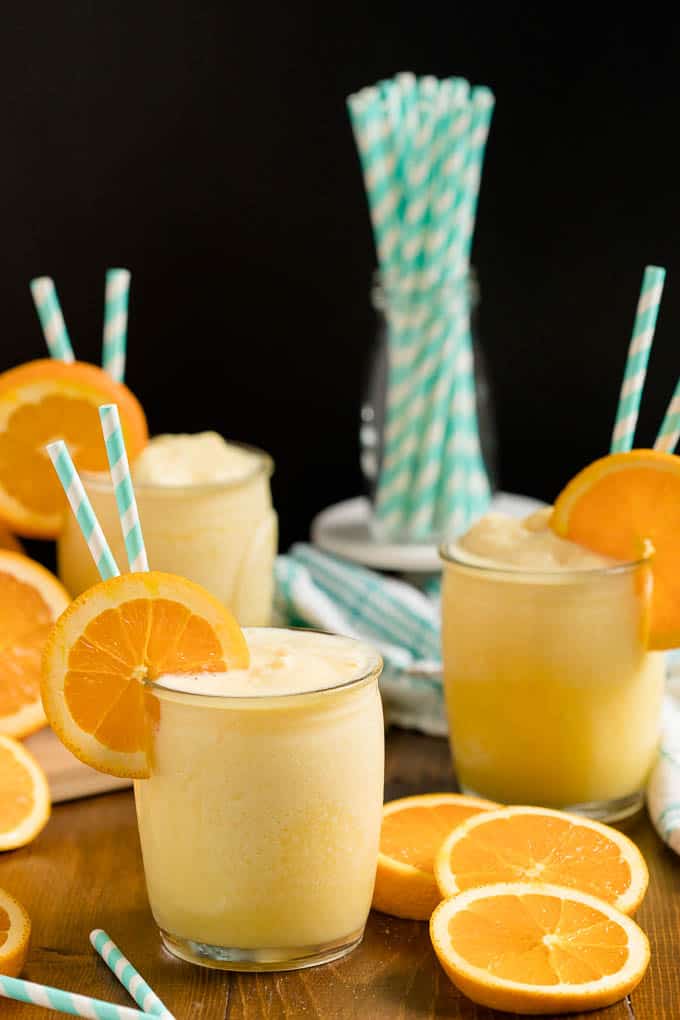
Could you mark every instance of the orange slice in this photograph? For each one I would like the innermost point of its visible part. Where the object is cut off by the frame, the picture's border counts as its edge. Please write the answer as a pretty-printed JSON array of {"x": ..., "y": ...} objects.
[
  {"x": 536, "y": 844},
  {"x": 46, "y": 400},
  {"x": 618, "y": 505},
  {"x": 15, "y": 932},
  {"x": 31, "y": 599},
  {"x": 24, "y": 799},
  {"x": 413, "y": 829},
  {"x": 528, "y": 948},
  {"x": 8, "y": 540},
  {"x": 113, "y": 637}
]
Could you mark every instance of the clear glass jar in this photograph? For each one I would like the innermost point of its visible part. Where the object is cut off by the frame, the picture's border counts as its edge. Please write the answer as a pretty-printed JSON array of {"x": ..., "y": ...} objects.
[{"x": 373, "y": 405}]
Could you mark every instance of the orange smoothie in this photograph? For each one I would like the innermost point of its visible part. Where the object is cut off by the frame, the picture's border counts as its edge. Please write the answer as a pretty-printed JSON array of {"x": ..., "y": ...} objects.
[
  {"x": 206, "y": 512},
  {"x": 260, "y": 821},
  {"x": 552, "y": 696}
]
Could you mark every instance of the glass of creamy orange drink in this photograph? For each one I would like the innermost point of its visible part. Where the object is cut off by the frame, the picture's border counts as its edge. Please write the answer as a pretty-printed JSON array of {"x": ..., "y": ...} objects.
[
  {"x": 260, "y": 819},
  {"x": 552, "y": 696},
  {"x": 206, "y": 511}
]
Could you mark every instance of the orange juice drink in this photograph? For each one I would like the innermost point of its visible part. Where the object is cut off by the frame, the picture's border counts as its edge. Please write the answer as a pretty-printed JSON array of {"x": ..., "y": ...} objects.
[
  {"x": 206, "y": 512},
  {"x": 260, "y": 820},
  {"x": 552, "y": 696}
]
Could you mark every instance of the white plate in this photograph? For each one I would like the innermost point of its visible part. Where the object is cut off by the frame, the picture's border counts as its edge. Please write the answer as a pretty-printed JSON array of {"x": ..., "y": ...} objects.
[{"x": 345, "y": 529}]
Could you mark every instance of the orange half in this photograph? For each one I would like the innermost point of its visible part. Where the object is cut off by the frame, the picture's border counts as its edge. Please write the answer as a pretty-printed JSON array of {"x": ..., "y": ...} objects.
[
  {"x": 24, "y": 795},
  {"x": 117, "y": 635},
  {"x": 31, "y": 599},
  {"x": 540, "y": 948},
  {"x": 46, "y": 400},
  {"x": 413, "y": 829},
  {"x": 520, "y": 844},
  {"x": 15, "y": 933},
  {"x": 619, "y": 504}
]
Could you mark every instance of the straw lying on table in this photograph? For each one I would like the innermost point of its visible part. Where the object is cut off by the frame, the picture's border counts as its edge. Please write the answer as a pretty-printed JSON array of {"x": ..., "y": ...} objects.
[
  {"x": 421, "y": 143},
  {"x": 65, "y": 1002},
  {"x": 131, "y": 979}
]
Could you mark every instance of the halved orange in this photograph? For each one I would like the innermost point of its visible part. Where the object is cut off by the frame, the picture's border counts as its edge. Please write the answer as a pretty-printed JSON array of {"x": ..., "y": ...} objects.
[
  {"x": 618, "y": 504},
  {"x": 534, "y": 948},
  {"x": 516, "y": 844},
  {"x": 24, "y": 798},
  {"x": 31, "y": 599},
  {"x": 15, "y": 933},
  {"x": 116, "y": 635},
  {"x": 8, "y": 540},
  {"x": 413, "y": 829},
  {"x": 45, "y": 400}
]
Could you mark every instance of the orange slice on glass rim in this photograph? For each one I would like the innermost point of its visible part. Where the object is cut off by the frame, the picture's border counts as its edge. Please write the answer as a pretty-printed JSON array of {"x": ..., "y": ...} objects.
[
  {"x": 45, "y": 400},
  {"x": 523, "y": 844},
  {"x": 31, "y": 599},
  {"x": 527, "y": 948},
  {"x": 15, "y": 933},
  {"x": 413, "y": 829},
  {"x": 116, "y": 635},
  {"x": 618, "y": 505}
]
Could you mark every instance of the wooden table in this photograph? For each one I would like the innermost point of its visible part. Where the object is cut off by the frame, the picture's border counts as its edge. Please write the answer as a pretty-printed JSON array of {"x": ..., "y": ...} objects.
[{"x": 85, "y": 871}]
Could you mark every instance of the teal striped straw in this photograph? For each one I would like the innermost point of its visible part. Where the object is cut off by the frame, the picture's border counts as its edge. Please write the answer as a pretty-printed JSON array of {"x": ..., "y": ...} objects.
[
  {"x": 51, "y": 319},
  {"x": 82, "y": 509},
  {"x": 116, "y": 297},
  {"x": 638, "y": 356},
  {"x": 669, "y": 433},
  {"x": 123, "y": 489},
  {"x": 60, "y": 1001},
  {"x": 131, "y": 979}
]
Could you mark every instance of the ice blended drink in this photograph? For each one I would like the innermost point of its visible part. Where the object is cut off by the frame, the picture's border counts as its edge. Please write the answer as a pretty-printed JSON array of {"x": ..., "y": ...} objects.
[
  {"x": 260, "y": 820},
  {"x": 206, "y": 511},
  {"x": 552, "y": 696}
]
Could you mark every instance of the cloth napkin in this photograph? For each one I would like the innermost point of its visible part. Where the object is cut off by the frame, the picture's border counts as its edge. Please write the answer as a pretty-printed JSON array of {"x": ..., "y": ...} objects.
[
  {"x": 315, "y": 589},
  {"x": 663, "y": 791}
]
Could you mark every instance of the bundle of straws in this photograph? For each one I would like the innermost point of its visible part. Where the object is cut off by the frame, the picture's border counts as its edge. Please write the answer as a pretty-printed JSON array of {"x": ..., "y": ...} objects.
[
  {"x": 116, "y": 297},
  {"x": 421, "y": 143}
]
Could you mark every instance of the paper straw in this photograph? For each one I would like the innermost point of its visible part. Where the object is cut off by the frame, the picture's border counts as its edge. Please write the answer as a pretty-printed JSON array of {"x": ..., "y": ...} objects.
[
  {"x": 82, "y": 509},
  {"x": 116, "y": 298},
  {"x": 131, "y": 979},
  {"x": 51, "y": 319},
  {"x": 638, "y": 356},
  {"x": 123, "y": 489},
  {"x": 60, "y": 1001},
  {"x": 669, "y": 433}
]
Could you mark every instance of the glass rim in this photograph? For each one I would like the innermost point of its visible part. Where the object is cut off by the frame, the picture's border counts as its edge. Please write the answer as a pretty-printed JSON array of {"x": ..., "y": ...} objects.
[
  {"x": 448, "y": 555},
  {"x": 100, "y": 481},
  {"x": 364, "y": 679}
]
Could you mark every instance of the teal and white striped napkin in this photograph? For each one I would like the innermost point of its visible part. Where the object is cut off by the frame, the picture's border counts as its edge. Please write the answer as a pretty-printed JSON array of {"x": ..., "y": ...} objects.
[
  {"x": 315, "y": 589},
  {"x": 663, "y": 791}
]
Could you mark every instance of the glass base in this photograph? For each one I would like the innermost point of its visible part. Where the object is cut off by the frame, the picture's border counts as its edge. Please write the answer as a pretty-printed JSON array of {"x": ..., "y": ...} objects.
[
  {"x": 599, "y": 810},
  {"x": 288, "y": 958}
]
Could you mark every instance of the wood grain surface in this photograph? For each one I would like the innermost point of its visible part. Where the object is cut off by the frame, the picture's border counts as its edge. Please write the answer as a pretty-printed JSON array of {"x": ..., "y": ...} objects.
[{"x": 85, "y": 871}]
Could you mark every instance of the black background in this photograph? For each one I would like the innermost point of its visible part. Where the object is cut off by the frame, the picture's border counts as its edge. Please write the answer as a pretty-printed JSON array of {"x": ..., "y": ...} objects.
[{"x": 206, "y": 146}]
